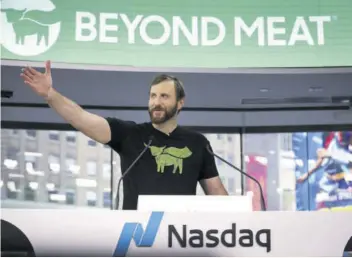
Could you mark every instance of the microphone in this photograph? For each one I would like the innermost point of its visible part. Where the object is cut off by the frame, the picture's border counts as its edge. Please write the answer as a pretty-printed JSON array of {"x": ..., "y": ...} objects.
[
  {"x": 262, "y": 201},
  {"x": 151, "y": 138}
]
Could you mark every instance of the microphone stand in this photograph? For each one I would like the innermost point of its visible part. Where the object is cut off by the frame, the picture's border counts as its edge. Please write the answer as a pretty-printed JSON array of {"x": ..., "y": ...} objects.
[
  {"x": 262, "y": 201},
  {"x": 129, "y": 169}
]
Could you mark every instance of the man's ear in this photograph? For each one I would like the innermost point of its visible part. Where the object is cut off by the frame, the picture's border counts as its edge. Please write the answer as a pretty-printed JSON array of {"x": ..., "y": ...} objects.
[{"x": 180, "y": 104}]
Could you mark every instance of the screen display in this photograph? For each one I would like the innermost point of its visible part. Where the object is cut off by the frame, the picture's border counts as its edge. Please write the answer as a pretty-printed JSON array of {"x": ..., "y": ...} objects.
[{"x": 323, "y": 170}]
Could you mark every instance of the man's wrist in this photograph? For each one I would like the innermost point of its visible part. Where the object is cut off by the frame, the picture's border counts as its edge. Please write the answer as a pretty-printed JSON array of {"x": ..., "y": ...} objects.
[{"x": 50, "y": 95}]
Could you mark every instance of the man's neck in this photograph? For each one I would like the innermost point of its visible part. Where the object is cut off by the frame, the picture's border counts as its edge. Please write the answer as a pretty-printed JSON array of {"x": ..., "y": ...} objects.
[{"x": 167, "y": 127}]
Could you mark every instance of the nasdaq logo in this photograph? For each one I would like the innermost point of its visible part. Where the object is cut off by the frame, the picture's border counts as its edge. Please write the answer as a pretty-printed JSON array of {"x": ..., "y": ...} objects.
[{"x": 142, "y": 238}]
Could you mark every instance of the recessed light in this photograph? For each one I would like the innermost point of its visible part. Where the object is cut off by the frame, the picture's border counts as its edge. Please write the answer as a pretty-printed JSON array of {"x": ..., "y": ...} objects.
[
  {"x": 315, "y": 89},
  {"x": 345, "y": 101},
  {"x": 264, "y": 90}
]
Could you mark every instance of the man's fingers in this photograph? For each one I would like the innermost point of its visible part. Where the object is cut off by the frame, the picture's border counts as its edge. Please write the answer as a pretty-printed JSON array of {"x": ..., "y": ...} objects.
[
  {"x": 30, "y": 84},
  {"x": 48, "y": 67},
  {"x": 27, "y": 72},
  {"x": 33, "y": 71},
  {"x": 26, "y": 78}
]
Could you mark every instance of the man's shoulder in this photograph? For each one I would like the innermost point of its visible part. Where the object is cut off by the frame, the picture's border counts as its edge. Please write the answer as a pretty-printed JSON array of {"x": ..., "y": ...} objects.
[
  {"x": 131, "y": 123},
  {"x": 145, "y": 125},
  {"x": 143, "y": 128},
  {"x": 127, "y": 127},
  {"x": 199, "y": 137}
]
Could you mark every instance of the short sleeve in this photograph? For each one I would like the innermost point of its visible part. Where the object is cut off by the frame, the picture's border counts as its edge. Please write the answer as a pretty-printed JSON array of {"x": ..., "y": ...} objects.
[
  {"x": 120, "y": 130},
  {"x": 208, "y": 169}
]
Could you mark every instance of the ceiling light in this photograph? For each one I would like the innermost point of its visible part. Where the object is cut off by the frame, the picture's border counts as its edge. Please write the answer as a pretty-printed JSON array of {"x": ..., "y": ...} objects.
[
  {"x": 315, "y": 89},
  {"x": 264, "y": 90}
]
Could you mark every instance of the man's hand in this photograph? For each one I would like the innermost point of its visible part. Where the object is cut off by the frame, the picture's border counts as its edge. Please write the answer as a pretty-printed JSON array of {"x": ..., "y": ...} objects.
[
  {"x": 92, "y": 125},
  {"x": 41, "y": 83}
]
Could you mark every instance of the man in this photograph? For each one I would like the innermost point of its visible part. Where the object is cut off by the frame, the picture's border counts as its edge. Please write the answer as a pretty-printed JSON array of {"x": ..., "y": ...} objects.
[{"x": 177, "y": 158}]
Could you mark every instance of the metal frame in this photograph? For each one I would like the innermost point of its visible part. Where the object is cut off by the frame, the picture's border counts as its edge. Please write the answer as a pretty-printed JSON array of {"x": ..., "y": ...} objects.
[{"x": 227, "y": 70}]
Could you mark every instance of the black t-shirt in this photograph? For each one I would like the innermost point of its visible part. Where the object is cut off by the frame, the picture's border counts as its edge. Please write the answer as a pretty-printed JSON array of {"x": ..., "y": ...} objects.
[{"x": 173, "y": 165}]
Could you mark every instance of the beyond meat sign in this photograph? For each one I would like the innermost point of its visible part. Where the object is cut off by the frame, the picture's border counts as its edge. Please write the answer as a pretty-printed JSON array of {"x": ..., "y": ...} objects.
[{"x": 194, "y": 33}]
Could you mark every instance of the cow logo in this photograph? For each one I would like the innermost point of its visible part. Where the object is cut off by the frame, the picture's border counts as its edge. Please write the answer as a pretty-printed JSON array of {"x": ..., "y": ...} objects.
[
  {"x": 29, "y": 28},
  {"x": 169, "y": 156}
]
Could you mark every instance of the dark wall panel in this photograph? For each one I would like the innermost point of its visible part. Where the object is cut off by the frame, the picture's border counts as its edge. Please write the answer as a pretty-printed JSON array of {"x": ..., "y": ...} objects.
[
  {"x": 125, "y": 89},
  {"x": 113, "y": 88}
]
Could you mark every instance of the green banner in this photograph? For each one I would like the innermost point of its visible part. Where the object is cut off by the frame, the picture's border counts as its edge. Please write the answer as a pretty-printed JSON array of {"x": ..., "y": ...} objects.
[{"x": 179, "y": 33}]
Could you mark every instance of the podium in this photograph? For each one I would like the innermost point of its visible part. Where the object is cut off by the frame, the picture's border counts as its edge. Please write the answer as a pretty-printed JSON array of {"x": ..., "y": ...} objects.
[{"x": 106, "y": 233}]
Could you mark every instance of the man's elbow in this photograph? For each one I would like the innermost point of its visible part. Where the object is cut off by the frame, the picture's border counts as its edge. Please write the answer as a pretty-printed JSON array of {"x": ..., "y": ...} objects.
[
  {"x": 213, "y": 186},
  {"x": 218, "y": 191},
  {"x": 215, "y": 189}
]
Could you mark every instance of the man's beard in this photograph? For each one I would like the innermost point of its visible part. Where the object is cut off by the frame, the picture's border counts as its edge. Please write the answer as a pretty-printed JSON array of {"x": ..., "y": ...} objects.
[{"x": 168, "y": 114}]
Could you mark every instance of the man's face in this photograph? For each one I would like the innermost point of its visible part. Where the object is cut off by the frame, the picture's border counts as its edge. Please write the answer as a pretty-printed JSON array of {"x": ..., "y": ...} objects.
[{"x": 162, "y": 102}]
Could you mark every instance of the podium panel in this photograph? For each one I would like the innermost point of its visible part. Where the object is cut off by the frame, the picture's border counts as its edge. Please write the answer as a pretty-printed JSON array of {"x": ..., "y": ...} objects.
[{"x": 133, "y": 233}]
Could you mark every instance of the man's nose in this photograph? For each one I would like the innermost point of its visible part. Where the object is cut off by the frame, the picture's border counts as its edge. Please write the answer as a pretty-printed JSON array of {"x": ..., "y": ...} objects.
[{"x": 157, "y": 101}]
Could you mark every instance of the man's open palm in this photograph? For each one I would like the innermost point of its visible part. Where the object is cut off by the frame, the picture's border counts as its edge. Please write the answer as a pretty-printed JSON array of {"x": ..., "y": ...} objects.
[{"x": 41, "y": 83}]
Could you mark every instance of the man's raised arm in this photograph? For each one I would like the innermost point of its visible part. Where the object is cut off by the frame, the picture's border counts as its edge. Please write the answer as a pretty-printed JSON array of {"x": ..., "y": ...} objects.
[{"x": 93, "y": 126}]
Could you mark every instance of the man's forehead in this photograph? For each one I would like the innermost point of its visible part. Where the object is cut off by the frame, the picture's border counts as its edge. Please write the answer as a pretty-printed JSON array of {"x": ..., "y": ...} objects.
[{"x": 163, "y": 87}]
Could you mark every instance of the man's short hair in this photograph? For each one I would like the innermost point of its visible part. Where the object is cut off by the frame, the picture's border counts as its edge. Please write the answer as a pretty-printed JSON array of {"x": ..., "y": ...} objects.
[{"x": 180, "y": 90}]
